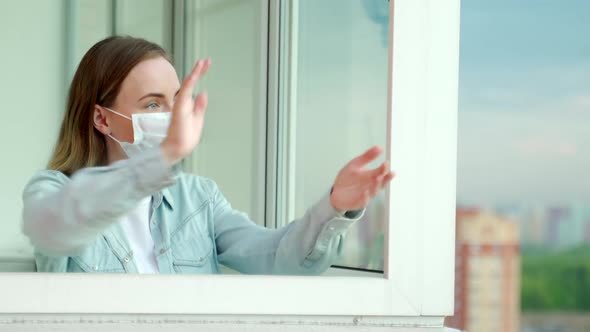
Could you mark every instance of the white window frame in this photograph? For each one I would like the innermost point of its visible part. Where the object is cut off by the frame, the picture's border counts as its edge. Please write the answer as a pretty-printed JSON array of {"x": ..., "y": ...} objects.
[{"x": 419, "y": 255}]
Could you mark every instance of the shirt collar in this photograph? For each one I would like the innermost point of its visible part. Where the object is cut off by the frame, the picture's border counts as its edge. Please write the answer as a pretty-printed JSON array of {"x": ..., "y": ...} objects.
[{"x": 168, "y": 197}]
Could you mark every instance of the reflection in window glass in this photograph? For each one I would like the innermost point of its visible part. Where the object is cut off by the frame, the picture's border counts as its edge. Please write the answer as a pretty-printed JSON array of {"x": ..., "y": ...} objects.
[{"x": 341, "y": 107}]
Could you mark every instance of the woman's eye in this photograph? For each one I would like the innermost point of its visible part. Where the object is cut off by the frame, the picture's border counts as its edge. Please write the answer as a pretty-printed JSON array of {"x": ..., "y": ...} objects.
[{"x": 153, "y": 106}]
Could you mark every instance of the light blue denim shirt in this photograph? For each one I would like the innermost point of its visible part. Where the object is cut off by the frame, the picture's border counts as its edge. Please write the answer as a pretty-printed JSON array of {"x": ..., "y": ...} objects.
[{"x": 73, "y": 224}]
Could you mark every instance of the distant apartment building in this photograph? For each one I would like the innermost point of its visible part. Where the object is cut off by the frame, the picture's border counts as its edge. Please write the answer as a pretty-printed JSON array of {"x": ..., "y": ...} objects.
[{"x": 487, "y": 278}]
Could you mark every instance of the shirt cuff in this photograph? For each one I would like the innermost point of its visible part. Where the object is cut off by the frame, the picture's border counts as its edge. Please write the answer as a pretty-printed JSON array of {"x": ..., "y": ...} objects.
[
  {"x": 352, "y": 214},
  {"x": 333, "y": 226}
]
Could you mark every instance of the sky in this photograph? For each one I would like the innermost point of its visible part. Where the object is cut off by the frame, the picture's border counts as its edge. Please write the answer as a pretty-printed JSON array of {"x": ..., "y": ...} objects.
[{"x": 524, "y": 102}]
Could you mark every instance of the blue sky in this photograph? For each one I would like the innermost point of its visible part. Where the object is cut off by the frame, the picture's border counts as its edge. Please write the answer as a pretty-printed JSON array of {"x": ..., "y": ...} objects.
[{"x": 524, "y": 124}]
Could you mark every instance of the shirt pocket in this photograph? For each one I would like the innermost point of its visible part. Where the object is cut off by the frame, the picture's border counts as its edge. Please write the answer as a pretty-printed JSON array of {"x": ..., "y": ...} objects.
[
  {"x": 99, "y": 258},
  {"x": 192, "y": 245}
]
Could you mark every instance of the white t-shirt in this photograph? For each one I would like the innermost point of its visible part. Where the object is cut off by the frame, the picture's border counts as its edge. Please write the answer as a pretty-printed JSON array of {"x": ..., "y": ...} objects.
[{"x": 136, "y": 226}]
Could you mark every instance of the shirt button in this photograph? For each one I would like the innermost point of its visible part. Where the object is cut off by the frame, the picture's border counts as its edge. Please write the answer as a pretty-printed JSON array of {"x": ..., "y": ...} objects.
[
  {"x": 126, "y": 259},
  {"x": 331, "y": 228},
  {"x": 95, "y": 267},
  {"x": 200, "y": 259},
  {"x": 162, "y": 251}
]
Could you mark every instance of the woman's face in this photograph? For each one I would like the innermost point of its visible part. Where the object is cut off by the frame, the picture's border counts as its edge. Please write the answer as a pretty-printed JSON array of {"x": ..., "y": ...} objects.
[{"x": 151, "y": 86}]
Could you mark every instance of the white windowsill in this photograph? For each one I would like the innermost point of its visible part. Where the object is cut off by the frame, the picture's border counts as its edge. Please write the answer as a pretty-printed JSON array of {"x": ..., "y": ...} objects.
[{"x": 171, "y": 323}]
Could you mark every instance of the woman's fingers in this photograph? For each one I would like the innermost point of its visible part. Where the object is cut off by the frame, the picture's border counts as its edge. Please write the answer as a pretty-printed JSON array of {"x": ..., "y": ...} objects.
[
  {"x": 201, "y": 102},
  {"x": 190, "y": 81},
  {"x": 375, "y": 187},
  {"x": 377, "y": 172},
  {"x": 188, "y": 85},
  {"x": 206, "y": 66},
  {"x": 366, "y": 157},
  {"x": 386, "y": 179},
  {"x": 377, "y": 183},
  {"x": 187, "y": 117}
]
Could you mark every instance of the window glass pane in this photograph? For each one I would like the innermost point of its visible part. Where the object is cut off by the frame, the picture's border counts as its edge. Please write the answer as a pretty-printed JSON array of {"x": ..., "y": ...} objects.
[
  {"x": 341, "y": 108},
  {"x": 45, "y": 49},
  {"x": 33, "y": 85},
  {"x": 232, "y": 148},
  {"x": 94, "y": 20},
  {"x": 149, "y": 19}
]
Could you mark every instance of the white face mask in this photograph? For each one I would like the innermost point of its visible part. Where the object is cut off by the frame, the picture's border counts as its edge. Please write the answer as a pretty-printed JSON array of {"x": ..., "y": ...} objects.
[{"x": 149, "y": 130}]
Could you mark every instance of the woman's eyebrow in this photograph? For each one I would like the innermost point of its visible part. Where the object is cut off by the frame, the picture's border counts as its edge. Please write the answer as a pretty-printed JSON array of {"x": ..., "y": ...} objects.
[
  {"x": 157, "y": 95},
  {"x": 152, "y": 94}
]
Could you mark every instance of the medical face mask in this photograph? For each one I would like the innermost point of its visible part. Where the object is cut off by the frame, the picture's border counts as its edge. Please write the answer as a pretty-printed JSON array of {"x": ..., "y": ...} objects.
[{"x": 149, "y": 130}]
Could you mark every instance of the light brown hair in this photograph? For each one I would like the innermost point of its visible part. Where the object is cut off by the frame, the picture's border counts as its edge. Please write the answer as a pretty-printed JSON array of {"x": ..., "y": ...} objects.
[{"x": 97, "y": 81}]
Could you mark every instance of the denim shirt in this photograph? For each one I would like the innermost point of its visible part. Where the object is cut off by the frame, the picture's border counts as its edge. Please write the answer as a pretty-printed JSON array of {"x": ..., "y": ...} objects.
[{"x": 73, "y": 224}]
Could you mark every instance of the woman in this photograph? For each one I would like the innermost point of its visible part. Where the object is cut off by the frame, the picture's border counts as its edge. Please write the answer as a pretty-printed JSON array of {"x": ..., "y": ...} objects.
[{"x": 111, "y": 202}]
